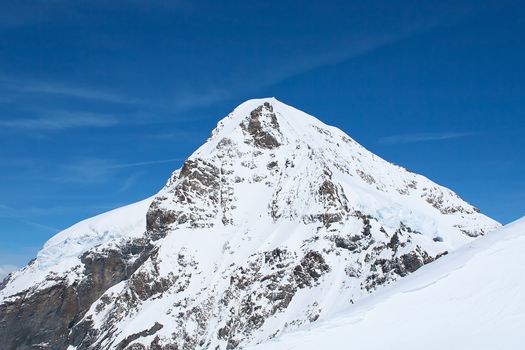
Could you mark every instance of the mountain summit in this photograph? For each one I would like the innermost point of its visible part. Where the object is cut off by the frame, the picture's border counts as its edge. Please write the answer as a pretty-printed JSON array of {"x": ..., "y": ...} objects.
[{"x": 278, "y": 220}]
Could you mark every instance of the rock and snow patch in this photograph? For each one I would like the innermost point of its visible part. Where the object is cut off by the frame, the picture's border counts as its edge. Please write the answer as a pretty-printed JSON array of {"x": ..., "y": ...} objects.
[
  {"x": 471, "y": 299},
  {"x": 60, "y": 256}
]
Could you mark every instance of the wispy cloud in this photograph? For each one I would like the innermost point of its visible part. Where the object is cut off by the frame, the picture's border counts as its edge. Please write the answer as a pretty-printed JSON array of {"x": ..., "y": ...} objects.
[
  {"x": 177, "y": 136},
  {"x": 129, "y": 182},
  {"x": 63, "y": 89},
  {"x": 148, "y": 162},
  {"x": 12, "y": 213},
  {"x": 268, "y": 73},
  {"x": 271, "y": 74},
  {"x": 189, "y": 100},
  {"x": 61, "y": 120},
  {"x": 97, "y": 170},
  {"x": 246, "y": 80},
  {"x": 422, "y": 137},
  {"x": 86, "y": 171}
]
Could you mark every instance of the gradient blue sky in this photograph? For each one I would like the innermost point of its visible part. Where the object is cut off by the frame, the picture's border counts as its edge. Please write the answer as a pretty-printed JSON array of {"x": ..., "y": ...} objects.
[{"x": 100, "y": 101}]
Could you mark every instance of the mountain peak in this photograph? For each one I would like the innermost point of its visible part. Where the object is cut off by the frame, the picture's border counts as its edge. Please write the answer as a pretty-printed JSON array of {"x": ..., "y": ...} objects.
[
  {"x": 266, "y": 124},
  {"x": 276, "y": 221}
]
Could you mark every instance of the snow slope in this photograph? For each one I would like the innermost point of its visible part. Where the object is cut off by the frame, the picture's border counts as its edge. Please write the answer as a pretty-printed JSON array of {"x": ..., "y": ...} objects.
[
  {"x": 473, "y": 298},
  {"x": 61, "y": 254}
]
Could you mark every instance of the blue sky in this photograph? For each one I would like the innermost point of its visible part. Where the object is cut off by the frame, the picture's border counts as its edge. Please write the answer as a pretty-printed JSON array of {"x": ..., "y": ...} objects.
[{"x": 100, "y": 101}]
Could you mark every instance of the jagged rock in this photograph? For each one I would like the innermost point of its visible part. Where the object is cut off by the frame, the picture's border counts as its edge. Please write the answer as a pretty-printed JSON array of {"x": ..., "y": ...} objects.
[
  {"x": 262, "y": 127},
  {"x": 312, "y": 267}
]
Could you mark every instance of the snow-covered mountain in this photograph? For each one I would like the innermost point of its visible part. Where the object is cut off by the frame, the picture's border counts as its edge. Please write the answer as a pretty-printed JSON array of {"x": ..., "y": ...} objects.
[
  {"x": 473, "y": 298},
  {"x": 277, "y": 221}
]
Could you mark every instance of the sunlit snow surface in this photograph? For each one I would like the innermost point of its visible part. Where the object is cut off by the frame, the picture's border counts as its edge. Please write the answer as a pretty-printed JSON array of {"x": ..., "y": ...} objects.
[{"x": 473, "y": 298}]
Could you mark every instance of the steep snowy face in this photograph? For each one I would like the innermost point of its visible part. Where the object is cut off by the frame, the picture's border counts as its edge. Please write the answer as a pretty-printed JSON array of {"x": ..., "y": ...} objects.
[
  {"x": 290, "y": 165},
  {"x": 278, "y": 220}
]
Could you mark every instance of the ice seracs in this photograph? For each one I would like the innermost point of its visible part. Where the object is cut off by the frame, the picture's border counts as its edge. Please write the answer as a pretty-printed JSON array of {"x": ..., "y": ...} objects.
[{"x": 277, "y": 221}]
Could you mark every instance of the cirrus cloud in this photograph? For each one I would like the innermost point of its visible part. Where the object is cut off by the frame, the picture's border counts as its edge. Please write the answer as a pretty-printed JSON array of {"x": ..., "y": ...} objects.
[
  {"x": 422, "y": 137},
  {"x": 60, "y": 121}
]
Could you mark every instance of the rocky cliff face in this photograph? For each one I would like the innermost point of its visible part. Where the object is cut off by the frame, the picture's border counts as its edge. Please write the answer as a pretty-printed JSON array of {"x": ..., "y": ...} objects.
[{"x": 278, "y": 220}]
